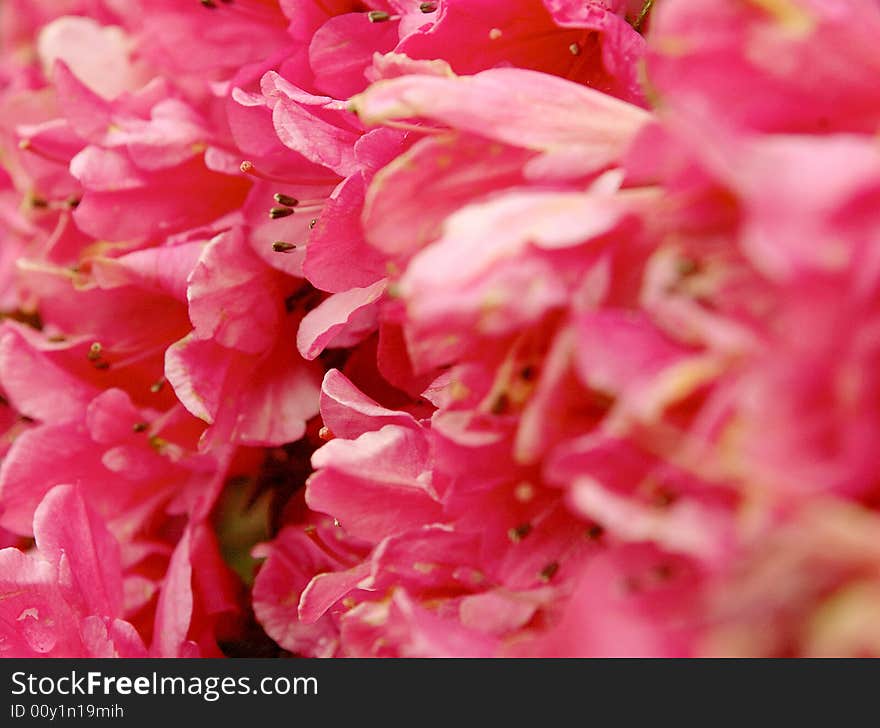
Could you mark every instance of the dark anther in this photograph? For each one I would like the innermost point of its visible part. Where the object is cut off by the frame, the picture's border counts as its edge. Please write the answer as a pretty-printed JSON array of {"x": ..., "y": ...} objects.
[
  {"x": 594, "y": 532},
  {"x": 102, "y": 365},
  {"x": 687, "y": 267},
  {"x": 73, "y": 202},
  {"x": 549, "y": 571},
  {"x": 39, "y": 202},
  {"x": 279, "y": 246},
  {"x": 662, "y": 498},
  {"x": 518, "y": 533},
  {"x": 28, "y": 318},
  {"x": 312, "y": 223},
  {"x": 210, "y": 4},
  {"x": 601, "y": 401},
  {"x": 500, "y": 404},
  {"x": 278, "y": 212},
  {"x": 378, "y": 16},
  {"x": 528, "y": 373},
  {"x": 428, "y": 7},
  {"x": 140, "y": 426},
  {"x": 285, "y": 200}
]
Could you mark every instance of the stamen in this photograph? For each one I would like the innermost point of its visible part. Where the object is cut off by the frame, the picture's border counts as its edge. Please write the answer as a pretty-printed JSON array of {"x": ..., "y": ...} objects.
[
  {"x": 162, "y": 420},
  {"x": 316, "y": 203},
  {"x": 140, "y": 426},
  {"x": 408, "y": 126},
  {"x": 662, "y": 497},
  {"x": 102, "y": 365},
  {"x": 574, "y": 49},
  {"x": 139, "y": 356},
  {"x": 28, "y": 146},
  {"x": 315, "y": 537},
  {"x": 41, "y": 203},
  {"x": 279, "y": 246},
  {"x": 549, "y": 571},
  {"x": 646, "y": 8},
  {"x": 524, "y": 492},
  {"x": 285, "y": 200},
  {"x": 518, "y": 533},
  {"x": 312, "y": 223},
  {"x": 259, "y": 13},
  {"x": 378, "y": 16},
  {"x": 210, "y": 4},
  {"x": 95, "y": 351},
  {"x": 687, "y": 267},
  {"x": 428, "y": 7},
  {"x": 158, "y": 385},
  {"x": 325, "y": 434},
  {"x": 278, "y": 212},
  {"x": 249, "y": 168},
  {"x": 594, "y": 532},
  {"x": 500, "y": 404}
]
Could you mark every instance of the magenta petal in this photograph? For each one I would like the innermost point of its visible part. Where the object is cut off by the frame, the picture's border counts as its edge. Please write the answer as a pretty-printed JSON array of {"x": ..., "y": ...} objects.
[
  {"x": 338, "y": 256},
  {"x": 230, "y": 293},
  {"x": 322, "y": 325},
  {"x": 75, "y": 540},
  {"x": 27, "y": 474},
  {"x": 350, "y": 413},
  {"x": 291, "y": 560},
  {"x": 523, "y": 108},
  {"x": 325, "y": 590},
  {"x": 317, "y": 140},
  {"x": 175, "y": 607},
  {"x": 56, "y": 396},
  {"x": 370, "y": 510},
  {"x": 343, "y": 47}
]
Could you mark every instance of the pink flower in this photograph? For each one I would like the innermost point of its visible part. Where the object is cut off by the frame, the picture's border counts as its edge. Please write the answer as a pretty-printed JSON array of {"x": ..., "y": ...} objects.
[
  {"x": 65, "y": 598},
  {"x": 459, "y": 328},
  {"x": 237, "y": 368},
  {"x": 746, "y": 42}
]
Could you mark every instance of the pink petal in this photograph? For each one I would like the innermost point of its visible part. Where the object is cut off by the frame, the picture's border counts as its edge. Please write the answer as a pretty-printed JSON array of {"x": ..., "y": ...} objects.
[
  {"x": 523, "y": 108},
  {"x": 350, "y": 413},
  {"x": 322, "y": 325},
  {"x": 75, "y": 540}
]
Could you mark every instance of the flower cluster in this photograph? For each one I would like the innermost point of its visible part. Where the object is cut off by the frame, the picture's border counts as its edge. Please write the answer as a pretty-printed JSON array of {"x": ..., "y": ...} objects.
[{"x": 454, "y": 328}]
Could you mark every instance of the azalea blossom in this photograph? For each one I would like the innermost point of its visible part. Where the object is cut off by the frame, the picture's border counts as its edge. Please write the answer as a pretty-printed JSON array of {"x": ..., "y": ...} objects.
[{"x": 462, "y": 328}]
